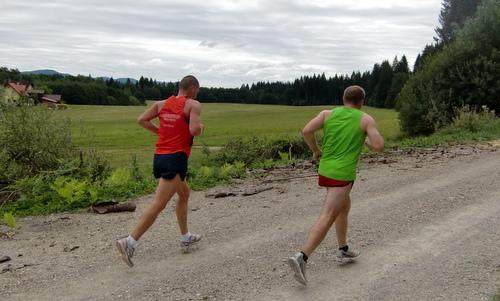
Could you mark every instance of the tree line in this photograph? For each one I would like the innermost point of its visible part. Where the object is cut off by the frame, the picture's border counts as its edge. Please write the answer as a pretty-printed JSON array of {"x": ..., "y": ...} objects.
[{"x": 382, "y": 85}]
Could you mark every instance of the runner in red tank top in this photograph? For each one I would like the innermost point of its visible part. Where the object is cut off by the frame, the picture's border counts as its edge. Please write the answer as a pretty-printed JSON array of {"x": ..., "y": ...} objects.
[{"x": 180, "y": 121}]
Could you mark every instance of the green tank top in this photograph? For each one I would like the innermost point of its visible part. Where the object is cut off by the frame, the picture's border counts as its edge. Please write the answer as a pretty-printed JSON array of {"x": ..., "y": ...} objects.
[{"x": 343, "y": 141}]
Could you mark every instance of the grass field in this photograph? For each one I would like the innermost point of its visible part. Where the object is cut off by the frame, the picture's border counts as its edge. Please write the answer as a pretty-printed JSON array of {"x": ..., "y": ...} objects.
[{"x": 114, "y": 131}]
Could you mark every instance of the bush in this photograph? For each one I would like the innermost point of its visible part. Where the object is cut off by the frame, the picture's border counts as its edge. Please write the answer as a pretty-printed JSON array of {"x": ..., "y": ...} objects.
[
  {"x": 33, "y": 140},
  {"x": 77, "y": 193},
  {"x": 232, "y": 159},
  {"x": 463, "y": 73},
  {"x": 473, "y": 121},
  {"x": 42, "y": 172},
  {"x": 254, "y": 149},
  {"x": 67, "y": 189}
]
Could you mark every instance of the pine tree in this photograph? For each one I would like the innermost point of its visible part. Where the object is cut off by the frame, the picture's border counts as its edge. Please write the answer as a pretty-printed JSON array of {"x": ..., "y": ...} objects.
[
  {"x": 402, "y": 66},
  {"x": 453, "y": 15},
  {"x": 383, "y": 84}
]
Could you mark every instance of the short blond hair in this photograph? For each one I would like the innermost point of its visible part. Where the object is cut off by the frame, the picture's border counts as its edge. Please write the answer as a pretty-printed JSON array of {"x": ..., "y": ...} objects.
[{"x": 354, "y": 94}]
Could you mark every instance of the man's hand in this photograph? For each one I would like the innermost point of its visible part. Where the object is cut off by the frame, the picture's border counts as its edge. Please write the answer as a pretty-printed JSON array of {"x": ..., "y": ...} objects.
[
  {"x": 308, "y": 133},
  {"x": 317, "y": 156}
]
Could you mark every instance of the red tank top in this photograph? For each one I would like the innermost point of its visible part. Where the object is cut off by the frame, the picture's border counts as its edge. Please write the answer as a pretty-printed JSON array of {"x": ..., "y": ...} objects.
[{"x": 173, "y": 133}]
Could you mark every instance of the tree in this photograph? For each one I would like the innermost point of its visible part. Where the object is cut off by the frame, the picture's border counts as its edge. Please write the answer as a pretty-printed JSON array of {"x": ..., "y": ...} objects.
[
  {"x": 453, "y": 15},
  {"x": 463, "y": 72},
  {"x": 402, "y": 66},
  {"x": 398, "y": 81},
  {"x": 418, "y": 61},
  {"x": 383, "y": 84},
  {"x": 372, "y": 84},
  {"x": 428, "y": 51}
]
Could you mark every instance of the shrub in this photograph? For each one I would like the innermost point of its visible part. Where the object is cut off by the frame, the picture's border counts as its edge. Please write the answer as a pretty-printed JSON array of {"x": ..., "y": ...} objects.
[
  {"x": 255, "y": 149},
  {"x": 76, "y": 193},
  {"x": 42, "y": 172},
  {"x": 473, "y": 121},
  {"x": 33, "y": 140}
]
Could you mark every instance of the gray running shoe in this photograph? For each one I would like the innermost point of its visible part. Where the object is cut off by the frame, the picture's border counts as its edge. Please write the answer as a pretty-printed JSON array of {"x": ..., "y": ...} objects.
[
  {"x": 347, "y": 256},
  {"x": 125, "y": 252},
  {"x": 298, "y": 265},
  {"x": 187, "y": 246}
]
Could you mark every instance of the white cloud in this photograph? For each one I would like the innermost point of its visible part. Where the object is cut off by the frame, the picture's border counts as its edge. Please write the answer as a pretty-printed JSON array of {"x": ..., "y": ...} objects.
[{"x": 224, "y": 43}]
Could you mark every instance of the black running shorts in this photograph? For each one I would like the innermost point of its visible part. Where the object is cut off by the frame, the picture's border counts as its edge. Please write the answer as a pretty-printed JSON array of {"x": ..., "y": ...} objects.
[{"x": 169, "y": 165}]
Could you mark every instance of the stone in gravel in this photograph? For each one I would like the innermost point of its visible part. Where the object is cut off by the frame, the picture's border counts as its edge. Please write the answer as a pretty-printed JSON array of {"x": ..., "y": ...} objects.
[
  {"x": 68, "y": 249},
  {"x": 7, "y": 269},
  {"x": 4, "y": 259}
]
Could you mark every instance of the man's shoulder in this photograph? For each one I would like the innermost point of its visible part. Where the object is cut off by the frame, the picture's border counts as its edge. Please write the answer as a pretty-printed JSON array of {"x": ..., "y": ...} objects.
[
  {"x": 367, "y": 118},
  {"x": 326, "y": 113},
  {"x": 192, "y": 102},
  {"x": 159, "y": 105},
  {"x": 366, "y": 121}
]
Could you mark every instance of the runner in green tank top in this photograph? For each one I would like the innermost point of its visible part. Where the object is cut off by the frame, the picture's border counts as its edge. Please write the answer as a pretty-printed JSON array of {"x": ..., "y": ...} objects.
[{"x": 345, "y": 130}]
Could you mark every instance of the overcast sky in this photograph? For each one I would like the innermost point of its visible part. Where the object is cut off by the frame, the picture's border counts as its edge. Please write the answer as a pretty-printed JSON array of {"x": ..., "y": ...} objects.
[{"x": 223, "y": 43}]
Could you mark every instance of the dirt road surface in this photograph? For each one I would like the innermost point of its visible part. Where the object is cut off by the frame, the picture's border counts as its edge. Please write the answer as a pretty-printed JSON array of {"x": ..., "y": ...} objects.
[{"x": 427, "y": 224}]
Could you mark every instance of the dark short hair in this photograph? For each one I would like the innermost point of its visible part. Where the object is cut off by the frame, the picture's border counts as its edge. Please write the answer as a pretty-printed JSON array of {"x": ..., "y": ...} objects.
[
  {"x": 354, "y": 94},
  {"x": 188, "y": 81}
]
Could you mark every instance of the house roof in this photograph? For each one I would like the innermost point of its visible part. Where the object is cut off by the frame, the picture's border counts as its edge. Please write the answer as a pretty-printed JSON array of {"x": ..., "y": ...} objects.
[
  {"x": 19, "y": 88},
  {"x": 55, "y": 98}
]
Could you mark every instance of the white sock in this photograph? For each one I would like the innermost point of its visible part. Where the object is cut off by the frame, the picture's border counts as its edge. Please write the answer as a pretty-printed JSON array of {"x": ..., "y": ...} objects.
[
  {"x": 131, "y": 242},
  {"x": 186, "y": 236}
]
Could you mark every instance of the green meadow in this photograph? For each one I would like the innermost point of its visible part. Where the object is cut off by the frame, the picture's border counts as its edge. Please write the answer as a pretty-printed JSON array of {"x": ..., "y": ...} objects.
[{"x": 113, "y": 129}]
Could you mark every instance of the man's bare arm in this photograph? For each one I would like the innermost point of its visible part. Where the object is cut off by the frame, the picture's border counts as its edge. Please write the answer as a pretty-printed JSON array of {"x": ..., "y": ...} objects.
[
  {"x": 145, "y": 119},
  {"x": 374, "y": 141},
  {"x": 195, "y": 125},
  {"x": 315, "y": 124}
]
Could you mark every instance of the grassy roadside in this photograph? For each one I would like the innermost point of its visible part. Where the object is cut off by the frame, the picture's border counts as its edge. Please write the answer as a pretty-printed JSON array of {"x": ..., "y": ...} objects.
[
  {"x": 496, "y": 297},
  {"x": 242, "y": 150},
  {"x": 448, "y": 137}
]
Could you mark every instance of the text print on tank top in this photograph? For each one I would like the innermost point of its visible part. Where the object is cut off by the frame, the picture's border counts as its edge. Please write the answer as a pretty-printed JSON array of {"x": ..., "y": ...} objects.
[{"x": 173, "y": 134}]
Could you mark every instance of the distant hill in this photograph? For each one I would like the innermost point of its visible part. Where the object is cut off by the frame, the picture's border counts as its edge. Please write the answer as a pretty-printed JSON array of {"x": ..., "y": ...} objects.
[
  {"x": 122, "y": 80},
  {"x": 44, "y": 72}
]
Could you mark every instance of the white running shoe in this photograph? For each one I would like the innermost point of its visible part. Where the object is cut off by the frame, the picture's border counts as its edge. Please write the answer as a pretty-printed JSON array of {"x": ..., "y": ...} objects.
[
  {"x": 187, "y": 245},
  {"x": 125, "y": 252},
  {"x": 298, "y": 265},
  {"x": 347, "y": 256}
]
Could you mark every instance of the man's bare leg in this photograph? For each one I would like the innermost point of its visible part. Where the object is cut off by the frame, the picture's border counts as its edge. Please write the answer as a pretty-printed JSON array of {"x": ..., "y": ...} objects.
[
  {"x": 335, "y": 203},
  {"x": 164, "y": 192},
  {"x": 181, "y": 209},
  {"x": 341, "y": 224},
  {"x": 187, "y": 238}
]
